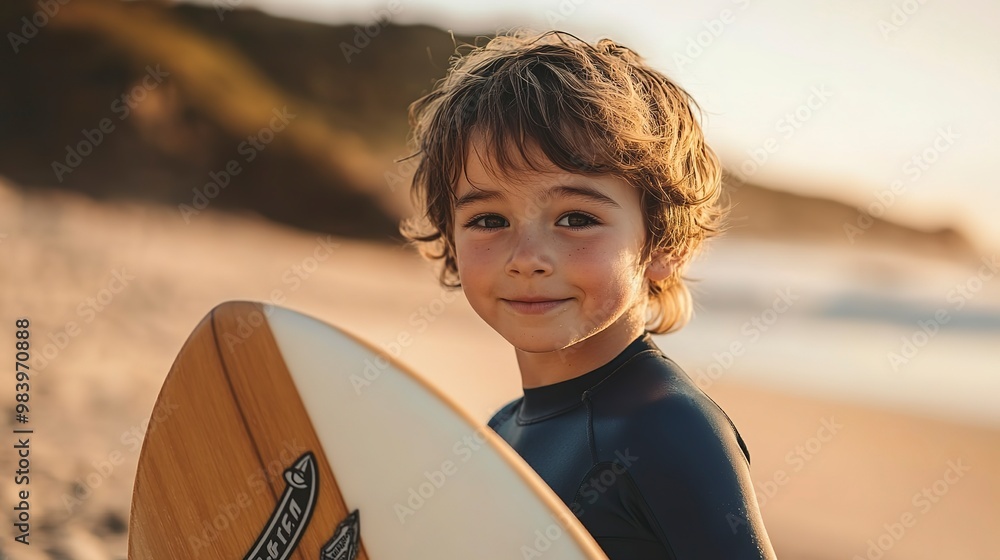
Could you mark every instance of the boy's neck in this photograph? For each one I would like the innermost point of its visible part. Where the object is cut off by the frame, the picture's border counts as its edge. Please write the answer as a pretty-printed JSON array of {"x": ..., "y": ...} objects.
[{"x": 546, "y": 368}]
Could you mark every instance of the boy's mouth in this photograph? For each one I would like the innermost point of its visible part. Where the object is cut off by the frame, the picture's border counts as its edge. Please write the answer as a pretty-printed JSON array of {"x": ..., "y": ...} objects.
[{"x": 534, "y": 305}]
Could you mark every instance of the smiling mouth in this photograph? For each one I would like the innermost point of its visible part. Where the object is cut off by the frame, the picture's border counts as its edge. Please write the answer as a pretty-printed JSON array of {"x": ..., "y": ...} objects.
[{"x": 534, "y": 307}]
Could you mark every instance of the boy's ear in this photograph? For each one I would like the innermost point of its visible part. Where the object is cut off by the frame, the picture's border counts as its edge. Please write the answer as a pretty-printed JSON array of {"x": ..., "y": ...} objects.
[{"x": 662, "y": 264}]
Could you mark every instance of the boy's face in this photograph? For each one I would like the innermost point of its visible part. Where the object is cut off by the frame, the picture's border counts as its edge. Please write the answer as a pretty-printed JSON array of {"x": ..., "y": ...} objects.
[{"x": 533, "y": 238}]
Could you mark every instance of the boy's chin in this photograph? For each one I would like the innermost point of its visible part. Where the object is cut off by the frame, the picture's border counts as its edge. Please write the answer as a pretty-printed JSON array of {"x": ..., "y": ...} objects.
[{"x": 539, "y": 344}]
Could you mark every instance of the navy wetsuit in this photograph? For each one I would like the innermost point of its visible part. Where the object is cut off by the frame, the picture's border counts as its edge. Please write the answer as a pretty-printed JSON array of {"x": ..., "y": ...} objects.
[{"x": 649, "y": 463}]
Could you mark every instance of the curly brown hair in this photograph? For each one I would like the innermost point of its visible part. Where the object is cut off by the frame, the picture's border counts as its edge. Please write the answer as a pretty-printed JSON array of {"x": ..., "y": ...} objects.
[{"x": 591, "y": 109}]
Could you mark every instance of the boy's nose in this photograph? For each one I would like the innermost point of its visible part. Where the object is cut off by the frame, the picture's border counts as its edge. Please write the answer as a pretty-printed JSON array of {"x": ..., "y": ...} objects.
[{"x": 529, "y": 255}]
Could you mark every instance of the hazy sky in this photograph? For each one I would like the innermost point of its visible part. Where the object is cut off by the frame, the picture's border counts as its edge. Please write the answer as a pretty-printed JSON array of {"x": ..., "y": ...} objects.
[{"x": 845, "y": 98}]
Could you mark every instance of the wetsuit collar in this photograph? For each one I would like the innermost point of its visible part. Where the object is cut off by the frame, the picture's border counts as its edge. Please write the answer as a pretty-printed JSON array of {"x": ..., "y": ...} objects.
[{"x": 549, "y": 400}]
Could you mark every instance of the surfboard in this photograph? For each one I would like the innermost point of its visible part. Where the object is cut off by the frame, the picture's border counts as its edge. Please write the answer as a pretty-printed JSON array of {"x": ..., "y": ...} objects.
[{"x": 276, "y": 435}]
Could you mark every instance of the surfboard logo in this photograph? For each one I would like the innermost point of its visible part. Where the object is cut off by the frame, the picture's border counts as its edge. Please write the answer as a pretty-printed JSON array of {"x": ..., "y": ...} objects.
[
  {"x": 343, "y": 545},
  {"x": 291, "y": 514}
]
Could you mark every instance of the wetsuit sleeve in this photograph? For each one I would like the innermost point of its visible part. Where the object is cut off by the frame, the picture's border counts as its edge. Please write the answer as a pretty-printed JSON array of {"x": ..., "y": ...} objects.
[{"x": 690, "y": 470}]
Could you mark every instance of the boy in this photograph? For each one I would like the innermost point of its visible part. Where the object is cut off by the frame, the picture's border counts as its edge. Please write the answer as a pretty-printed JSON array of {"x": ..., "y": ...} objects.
[{"x": 565, "y": 187}]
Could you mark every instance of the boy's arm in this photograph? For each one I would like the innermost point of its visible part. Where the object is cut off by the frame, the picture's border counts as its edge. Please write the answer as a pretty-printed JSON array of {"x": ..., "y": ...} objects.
[{"x": 690, "y": 469}]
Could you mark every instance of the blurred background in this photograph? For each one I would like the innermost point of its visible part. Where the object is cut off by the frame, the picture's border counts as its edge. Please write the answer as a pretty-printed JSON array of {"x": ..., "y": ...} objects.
[{"x": 158, "y": 158}]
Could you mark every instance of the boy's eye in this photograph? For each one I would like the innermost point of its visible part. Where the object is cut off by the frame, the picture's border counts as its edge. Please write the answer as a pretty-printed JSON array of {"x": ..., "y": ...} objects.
[
  {"x": 577, "y": 220},
  {"x": 486, "y": 221}
]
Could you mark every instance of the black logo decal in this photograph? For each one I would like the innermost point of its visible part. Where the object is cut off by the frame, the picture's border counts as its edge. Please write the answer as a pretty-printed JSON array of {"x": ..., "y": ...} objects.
[
  {"x": 343, "y": 545},
  {"x": 291, "y": 514}
]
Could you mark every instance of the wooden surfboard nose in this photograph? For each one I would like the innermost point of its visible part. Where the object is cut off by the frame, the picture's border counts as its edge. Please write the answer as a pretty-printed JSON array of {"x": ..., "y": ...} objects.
[{"x": 236, "y": 439}]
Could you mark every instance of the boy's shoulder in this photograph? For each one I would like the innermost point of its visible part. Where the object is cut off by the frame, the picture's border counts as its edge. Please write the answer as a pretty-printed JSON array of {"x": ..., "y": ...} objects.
[
  {"x": 504, "y": 414},
  {"x": 652, "y": 395}
]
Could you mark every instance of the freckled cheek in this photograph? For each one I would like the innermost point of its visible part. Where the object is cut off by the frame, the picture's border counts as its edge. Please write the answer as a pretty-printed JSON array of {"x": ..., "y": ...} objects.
[
  {"x": 592, "y": 257},
  {"x": 606, "y": 272},
  {"x": 473, "y": 256},
  {"x": 584, "y": 261}
]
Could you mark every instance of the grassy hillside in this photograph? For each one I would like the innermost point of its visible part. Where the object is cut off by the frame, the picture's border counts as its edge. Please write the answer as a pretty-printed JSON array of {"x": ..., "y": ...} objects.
[{"x": 201, "y": 88}]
